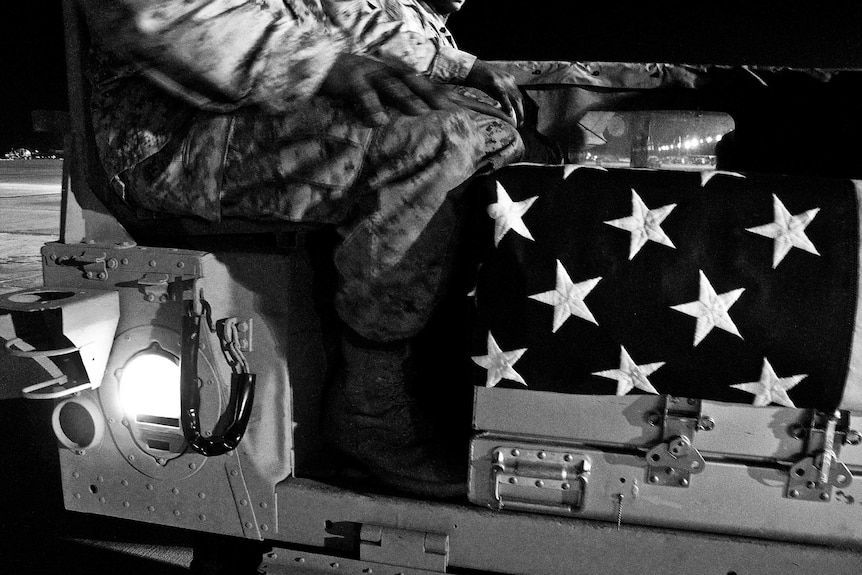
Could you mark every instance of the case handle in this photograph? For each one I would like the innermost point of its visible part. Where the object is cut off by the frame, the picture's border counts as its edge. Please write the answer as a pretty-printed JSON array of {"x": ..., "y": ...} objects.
[{"x": 190, "y": 398}]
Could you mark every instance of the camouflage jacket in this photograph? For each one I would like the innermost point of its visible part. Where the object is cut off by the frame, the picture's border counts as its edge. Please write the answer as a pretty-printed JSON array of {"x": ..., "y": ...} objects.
[
  {"x": 174, "y": 70},
  {"x": 367, "y": 25}
]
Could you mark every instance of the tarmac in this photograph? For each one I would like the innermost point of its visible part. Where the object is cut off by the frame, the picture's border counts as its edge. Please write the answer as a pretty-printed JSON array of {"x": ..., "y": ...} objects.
[{"x": 21, "y": 261}]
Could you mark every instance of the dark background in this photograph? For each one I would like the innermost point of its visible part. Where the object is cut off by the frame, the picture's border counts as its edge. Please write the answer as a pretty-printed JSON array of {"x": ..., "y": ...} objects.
[{"x": 32, "y": 75}]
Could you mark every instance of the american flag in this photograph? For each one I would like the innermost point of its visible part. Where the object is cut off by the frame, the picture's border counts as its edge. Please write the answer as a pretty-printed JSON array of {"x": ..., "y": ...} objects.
[{"x": 716, "y": 285}]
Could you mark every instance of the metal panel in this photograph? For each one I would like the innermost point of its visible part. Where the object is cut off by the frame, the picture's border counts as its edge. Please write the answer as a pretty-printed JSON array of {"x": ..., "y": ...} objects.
[
  {"x": 740, "y": 431},
  {"x": 520, "y": 543},
  {"x": 724, "y": 498}
]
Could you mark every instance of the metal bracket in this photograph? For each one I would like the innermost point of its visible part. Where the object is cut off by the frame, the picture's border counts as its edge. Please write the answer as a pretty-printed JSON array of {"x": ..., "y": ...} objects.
[
  {"x": 155, "y": 286},
  {"x": 539, "y": 480},
  {"x": 404, "y": 548},
  {"x": 673, "y": 462},
  {"x": 93, "y": 263},
  {"x": 813, "y": 477}
]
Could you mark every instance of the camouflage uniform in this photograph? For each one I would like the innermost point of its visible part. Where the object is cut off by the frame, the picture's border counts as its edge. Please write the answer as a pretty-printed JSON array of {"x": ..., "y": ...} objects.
[{"x": 207, "y": 108}]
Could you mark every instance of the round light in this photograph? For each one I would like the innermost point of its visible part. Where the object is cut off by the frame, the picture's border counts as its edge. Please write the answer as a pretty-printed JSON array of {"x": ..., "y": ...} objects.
[{"x": 150, "y": 385}]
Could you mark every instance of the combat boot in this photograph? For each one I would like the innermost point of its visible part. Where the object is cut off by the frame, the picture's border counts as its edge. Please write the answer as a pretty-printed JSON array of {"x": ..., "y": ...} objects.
[{"x": 372, "y": 418}]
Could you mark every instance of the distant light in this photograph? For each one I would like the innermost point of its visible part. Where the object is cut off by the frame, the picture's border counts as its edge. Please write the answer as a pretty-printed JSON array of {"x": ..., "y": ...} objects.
[{"x": 709, "y": 139}]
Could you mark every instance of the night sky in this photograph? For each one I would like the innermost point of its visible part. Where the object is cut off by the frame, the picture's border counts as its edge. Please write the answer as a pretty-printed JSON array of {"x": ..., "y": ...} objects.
[{"x": 32, "y": 75}]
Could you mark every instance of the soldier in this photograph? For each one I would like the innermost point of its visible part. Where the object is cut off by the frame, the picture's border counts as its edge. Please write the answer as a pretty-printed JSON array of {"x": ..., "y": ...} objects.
[{"x": 264, "y": 109}]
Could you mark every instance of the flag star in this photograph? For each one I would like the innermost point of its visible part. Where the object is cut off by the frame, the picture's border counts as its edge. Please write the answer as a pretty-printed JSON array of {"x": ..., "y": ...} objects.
[
  {"x": 770, "y": 388},
  {"x": 711, "y": 310},
  {"x": 508, "y": 215},
  {"x": 630, "y": 375},
  {"x": 706, "y": 176},
  {"x": 499, "y": 363},
  {"x": 570, "y": 169},
  {"x": 568, "y": 298},
  {"x": 787, "y": 230},
  {"x": 644, "y": 224}
]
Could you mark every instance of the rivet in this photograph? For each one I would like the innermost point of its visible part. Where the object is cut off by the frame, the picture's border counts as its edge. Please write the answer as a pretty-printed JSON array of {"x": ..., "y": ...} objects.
[
  {"x": 824, "y": 497},
  {"x": 368, "y": 570},
  {"x": 150, "y": 297},
  {"x": 567, "y": 457},
  {"x": 793, "y": 493},
  {"x": 300, "y": 559},
  {"x": 100, "y": 479},
  {"x": 264, "y": 527},
  {"x": 334, "y": 565},
  {"x": 668, "y": 470},
  {"x": 248, "y": 525},
  {"x": 124, "y": 483},
  {"x": 102, "y": 275},
  {"x": 683, "y": 482},
  {"x": 541, "y": 455},
  {"x": 263, "y": 505},
  {"x": 125, "y": 422},
  {"x": 53, "y": 257},
  {"x": 695, "y": 464},
  {"x": 150, "y": 508},
  {"x": 540, "y": 483},
  {"x": 126, "y": 504},
  {"x": 565, "y": 486},
  {"x": 111, "y": 419},
  {"x": 153, "y": 263},
  {"x": 193, "y": 466},
  {"x": 162, "y": 461},
  {"x": 102, "y": 499},
  {"x": 177, "y": 512},
  {"x": 841, "y": 479},
  {"x": 163, "y": 298},
  {"x": 112, "y": 263},
  {"x": 124, "y": 261},
  {"x": 653, "y": 478},
  {"x": 810, "y": 484},
  {"x": 513, "y": 480},
  {"x": 181, "y": 265},
  {"x": 234, "y": 472},
  {"x": 516, "y": 452},
  {"x": 202, "y": 495},
  {"x": 150, "y": 487},
  {"x": 175, "y": 491},
  {"x": 202, "y": 517},
  {"x": 89, "y": 275},
  {"x": 77, "y": 496},
  {"x": 76, "y": 475},
  {"x": 243, "y": 502}
]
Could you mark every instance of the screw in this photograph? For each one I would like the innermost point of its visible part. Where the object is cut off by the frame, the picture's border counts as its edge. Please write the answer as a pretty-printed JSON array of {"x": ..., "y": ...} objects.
[
  {"x": 853, "y": 437},
  {"x": 706, "y": 424}
]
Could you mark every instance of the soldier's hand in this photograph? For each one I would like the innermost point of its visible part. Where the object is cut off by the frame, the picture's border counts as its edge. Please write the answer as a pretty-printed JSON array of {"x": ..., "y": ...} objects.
[
  {"x": 371, "y": 86},
  {"x": 501, "y": 86}
]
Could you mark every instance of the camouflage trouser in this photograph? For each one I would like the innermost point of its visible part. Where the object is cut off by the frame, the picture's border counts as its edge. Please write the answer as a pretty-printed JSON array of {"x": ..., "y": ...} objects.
[{"x": 391, "y": 191}]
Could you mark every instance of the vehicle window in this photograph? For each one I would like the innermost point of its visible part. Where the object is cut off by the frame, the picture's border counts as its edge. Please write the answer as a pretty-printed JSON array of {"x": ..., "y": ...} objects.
[{"x": 676, "y": 140}]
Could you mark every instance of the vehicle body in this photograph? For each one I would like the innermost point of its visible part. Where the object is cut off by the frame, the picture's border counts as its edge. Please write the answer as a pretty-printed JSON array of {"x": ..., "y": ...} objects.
[{"x": 152, "y": 278}]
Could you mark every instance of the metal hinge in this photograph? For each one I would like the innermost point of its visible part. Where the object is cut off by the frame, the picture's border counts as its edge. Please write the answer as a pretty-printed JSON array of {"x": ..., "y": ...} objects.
[
  {"x": 673, "y": 462},
  {"x": 540, "y": 480},
  {"x": 94, "y": 264},
  {"x": 404, "y": 548},
  {"x": 813, "y": 477}
]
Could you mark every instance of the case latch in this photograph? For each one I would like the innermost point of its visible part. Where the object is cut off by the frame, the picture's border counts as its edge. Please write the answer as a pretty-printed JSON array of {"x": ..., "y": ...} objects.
[
  {"x": 672, "y": 462},
  {"x": 813, "y": 477},
  {"x": 540, "y": 481},
  {"x": 404, "y": 548}
]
